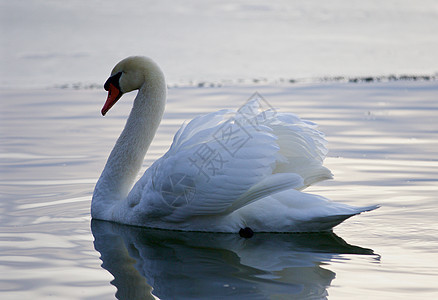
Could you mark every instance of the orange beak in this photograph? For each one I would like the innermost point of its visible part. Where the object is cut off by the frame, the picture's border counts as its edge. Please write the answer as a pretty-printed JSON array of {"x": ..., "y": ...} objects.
[{"x": 114, "y": 94}]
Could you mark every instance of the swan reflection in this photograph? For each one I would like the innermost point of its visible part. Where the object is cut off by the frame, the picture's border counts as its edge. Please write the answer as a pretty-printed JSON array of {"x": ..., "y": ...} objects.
[{"x": 177, "y": 265}]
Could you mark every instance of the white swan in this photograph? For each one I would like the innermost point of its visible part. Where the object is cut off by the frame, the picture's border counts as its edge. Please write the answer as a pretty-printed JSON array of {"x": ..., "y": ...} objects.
[{"x": 225, "y": 171}]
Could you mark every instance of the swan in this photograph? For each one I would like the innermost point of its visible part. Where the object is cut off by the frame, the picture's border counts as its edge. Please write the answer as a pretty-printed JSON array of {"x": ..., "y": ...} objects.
[{"x": 227, "y": 171}]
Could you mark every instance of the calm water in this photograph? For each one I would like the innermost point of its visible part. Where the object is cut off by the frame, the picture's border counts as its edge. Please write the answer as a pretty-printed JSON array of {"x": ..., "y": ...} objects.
[
  {"x": 383, "y": 140},
  {"x": 216, "y": 39}
]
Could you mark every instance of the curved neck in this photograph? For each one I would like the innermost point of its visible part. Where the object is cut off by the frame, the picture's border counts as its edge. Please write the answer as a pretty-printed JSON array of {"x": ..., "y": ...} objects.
[{"x": 128, "y": 154}]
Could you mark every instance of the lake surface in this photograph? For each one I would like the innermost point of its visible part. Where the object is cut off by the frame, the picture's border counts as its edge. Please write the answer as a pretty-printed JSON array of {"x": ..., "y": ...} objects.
[
  {"x": 48, "y": 43},
  {"x": 383, "y": 141}
]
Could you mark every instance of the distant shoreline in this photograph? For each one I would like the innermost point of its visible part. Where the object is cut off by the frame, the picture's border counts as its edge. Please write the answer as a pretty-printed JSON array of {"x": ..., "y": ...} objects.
[{"x": 256, "y": 81}]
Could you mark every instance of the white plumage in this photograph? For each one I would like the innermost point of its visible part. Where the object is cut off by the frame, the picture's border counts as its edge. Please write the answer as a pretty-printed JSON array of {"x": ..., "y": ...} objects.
[{"x": 224, "y": 171}]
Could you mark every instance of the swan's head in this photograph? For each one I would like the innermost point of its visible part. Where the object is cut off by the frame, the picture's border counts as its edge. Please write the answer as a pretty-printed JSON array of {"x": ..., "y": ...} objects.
[{"x": 129, "y": 75}]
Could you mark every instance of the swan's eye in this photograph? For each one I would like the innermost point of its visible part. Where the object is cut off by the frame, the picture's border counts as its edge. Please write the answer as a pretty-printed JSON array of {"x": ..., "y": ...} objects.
[{"x": 114, "y": 80}]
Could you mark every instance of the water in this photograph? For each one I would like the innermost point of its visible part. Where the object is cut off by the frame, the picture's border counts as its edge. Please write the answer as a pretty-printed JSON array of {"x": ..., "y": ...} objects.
[
  {"x": 383, "y": 140},
  {"x": 383, "y": 150},
  {"x": 47, "y": 43}
]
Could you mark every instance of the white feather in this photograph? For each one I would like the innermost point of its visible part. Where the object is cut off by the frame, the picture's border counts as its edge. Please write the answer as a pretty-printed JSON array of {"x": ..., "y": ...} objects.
[{"x": 224, "y": 171}]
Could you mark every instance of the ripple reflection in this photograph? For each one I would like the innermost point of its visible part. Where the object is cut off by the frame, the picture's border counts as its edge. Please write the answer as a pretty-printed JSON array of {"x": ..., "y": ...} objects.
[{"x": 175, "y": 265}]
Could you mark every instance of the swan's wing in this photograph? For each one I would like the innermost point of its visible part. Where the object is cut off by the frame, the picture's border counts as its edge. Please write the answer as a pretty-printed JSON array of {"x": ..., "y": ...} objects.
[
  {"x": 223, "y": 161},
  {"x": 303, "y": 146}
]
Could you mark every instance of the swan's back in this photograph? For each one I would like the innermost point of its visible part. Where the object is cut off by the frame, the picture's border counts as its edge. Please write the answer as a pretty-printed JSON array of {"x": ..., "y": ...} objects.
[{"x": 226, "y": 160}]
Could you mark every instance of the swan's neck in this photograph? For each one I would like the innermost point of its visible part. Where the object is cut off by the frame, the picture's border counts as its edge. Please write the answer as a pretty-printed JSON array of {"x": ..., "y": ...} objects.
[{"x": 128, "y": 154}]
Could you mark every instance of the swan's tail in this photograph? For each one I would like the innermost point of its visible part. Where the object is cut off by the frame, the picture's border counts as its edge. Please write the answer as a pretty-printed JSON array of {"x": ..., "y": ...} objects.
[
  {"x": 326, "y": 223},
  {"x": 367, "y": 208}
]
